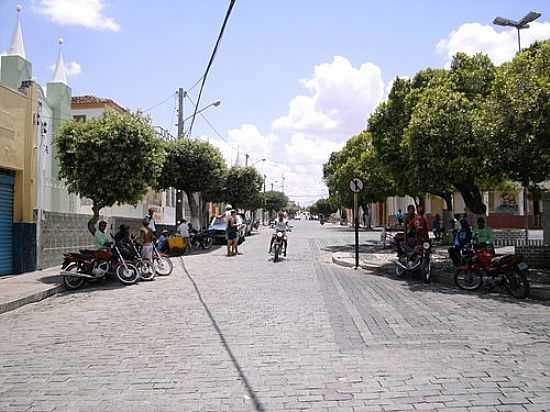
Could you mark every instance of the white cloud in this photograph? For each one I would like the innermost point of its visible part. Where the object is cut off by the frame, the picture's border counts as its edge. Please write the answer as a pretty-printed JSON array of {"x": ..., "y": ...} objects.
[
  {"x": 245, "y": 139},
  {"x": 501, "y": 46},
  {"x": 71, "y": 69},
  {"x": 341, "y": 99},
  {"x": 304, "y": 149},
  {"x": 87, "y": 13}
]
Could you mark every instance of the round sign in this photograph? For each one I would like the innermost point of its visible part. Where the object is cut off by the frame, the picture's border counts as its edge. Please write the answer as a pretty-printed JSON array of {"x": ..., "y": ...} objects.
[{"x": 356, "y": 185}]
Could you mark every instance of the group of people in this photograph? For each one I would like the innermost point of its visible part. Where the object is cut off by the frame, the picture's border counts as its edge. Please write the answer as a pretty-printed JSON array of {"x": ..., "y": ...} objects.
[{"x": 147, "y": 235}]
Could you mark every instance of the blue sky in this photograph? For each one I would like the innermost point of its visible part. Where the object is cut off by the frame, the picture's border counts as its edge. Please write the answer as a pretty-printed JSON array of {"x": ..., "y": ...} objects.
[{"x": 139, "y": 52}]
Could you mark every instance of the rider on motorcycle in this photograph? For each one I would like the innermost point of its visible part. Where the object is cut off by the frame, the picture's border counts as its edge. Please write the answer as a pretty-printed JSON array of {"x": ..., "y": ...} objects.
[
  {"x": 281, "y": 225},
  {"x": 483, "y": 235}
]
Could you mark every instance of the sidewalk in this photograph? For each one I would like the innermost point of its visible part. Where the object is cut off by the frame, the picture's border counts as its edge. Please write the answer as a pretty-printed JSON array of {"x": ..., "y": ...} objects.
[
  {"x": 19, "y": 290},
  {"x": 443, "y": 271}
]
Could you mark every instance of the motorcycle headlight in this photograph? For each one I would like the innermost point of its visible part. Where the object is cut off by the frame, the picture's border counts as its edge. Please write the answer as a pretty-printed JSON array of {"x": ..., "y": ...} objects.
[
  {"x": 279, "y": 234},
  {"x": 426, "y": 245}
]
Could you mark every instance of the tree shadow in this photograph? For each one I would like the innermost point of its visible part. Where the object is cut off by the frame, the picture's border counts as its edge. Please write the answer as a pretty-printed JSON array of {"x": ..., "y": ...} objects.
[{"x": 443, "y": 283}]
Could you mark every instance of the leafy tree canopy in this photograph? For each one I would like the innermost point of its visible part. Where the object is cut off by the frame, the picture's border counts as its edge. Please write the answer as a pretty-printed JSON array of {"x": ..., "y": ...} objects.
[
  {"x": 192, "y": 166},
  {"x": 112, "y": 159},
  {"x": 323, "y": 207},
  {"x": 242, "y": 186},
  {"x": 275, "y": 201},
  {"x": 515, "y": 121}
]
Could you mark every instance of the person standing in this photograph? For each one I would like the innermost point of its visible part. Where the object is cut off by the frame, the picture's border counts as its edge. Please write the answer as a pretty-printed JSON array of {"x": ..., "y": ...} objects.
[
  {"x": 232, "y": 235},
  {"x": 147, "y": 238},
  {"x": 399, "y": 217},
  {"x": 183, "y": 230},
  {"x": 100, "y": 236},
  {"x": 437, "y": 227},
  {"x": 151, "y": 218}
]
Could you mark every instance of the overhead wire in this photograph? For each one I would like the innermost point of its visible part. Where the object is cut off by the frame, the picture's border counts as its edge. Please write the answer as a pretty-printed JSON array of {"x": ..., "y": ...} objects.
[
  {"x": 158, "y": 104},
  {"x": 213, "y": 55}
]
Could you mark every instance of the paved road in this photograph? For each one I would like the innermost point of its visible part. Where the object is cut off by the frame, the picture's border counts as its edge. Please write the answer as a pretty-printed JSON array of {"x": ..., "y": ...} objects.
[{"x": 245, "y": 334}]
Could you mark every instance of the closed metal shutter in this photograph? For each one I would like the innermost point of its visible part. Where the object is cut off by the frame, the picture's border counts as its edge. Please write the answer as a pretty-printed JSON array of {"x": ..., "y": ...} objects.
[{"x": 6, "y": 223}]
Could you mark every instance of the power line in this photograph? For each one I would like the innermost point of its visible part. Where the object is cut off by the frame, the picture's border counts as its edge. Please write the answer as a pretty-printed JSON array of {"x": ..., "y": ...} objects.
[
  {"x": 227, "y": 14},
  {"x": 158, "y": 104}
]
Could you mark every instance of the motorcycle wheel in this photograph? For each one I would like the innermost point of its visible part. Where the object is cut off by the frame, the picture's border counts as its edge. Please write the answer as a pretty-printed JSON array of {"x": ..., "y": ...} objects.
[
  {"x": 427, "y": 271},
  {"x": 127, "y": 275},
  {"x": 468, "y": 280},
  {"x": 399, "y": 271},
  {"x": 517, "y": 284},
  {"x": 207, "y": 242},
  {"x": 146, "y": 270},
  {"x": 163, "y": 266},
  {"x": 73, "y": 282},
  {"x": 276, "y": 251}
]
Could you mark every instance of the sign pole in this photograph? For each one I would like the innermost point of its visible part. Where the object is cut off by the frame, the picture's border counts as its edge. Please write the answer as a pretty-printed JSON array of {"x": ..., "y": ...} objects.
[
  {"x": 356, "y": 185},
  {"x": 356, "y": 218}
]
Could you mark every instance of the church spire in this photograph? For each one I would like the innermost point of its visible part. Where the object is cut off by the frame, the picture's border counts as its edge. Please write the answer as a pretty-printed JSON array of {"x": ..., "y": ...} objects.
[
  {"x": 59, "y": 75},
  {"x": 17, "y": 47}
]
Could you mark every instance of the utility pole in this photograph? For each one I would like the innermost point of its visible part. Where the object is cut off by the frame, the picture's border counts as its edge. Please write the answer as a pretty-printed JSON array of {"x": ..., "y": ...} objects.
[
  {"x": 265, "y": 204},
  {"x": 272, "y": 186},
  {"x": 246, "y": 156},
  {"x": 179, "y": 193},
  {"x": 283, "y": 184}
]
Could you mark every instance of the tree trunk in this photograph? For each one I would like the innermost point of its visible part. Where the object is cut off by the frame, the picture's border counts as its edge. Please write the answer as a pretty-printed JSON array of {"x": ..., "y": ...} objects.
[
  {"x": 472, "y": 197},
  {"x": 92, "y": 222},
  {"x": 203, "y": 210},
  {"x": 194, "y": 208}
]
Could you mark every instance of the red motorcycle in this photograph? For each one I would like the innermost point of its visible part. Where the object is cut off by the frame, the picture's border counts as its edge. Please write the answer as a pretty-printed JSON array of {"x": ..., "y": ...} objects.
[
  {"x": 509, "y": 271},
  {"x": 92, "y": 265}
]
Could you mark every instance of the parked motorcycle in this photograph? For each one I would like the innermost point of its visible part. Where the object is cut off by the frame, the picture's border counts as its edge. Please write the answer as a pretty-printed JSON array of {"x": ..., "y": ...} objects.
[
  {"x": 278, "y": 246},
  {"x": 92, "y": 265},
  {"x": 413, "y": 259},
  {"x": 162, "y": 263},
  {"x": 145, "y": 267},
  {"x": 201, "y": 240},
  {"x": 509, "y": 271}
]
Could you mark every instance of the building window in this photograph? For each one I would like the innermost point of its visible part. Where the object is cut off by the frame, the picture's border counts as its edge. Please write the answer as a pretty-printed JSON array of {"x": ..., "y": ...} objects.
[{"x": 79, "y": 118}]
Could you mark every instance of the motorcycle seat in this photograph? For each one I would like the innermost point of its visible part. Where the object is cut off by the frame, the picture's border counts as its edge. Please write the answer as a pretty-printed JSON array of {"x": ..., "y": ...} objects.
[
  {"x": 502, "y": 260},
  {"x": 88, "y": 252}
]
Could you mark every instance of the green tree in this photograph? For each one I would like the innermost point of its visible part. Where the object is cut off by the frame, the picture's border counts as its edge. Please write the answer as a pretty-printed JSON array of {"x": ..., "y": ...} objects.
[
  {"x": 242, "y": 187},
  {"x": 275, "y": 201},
  {"x": 322, "y": 207},
  {"x": 387, "y": 126},
  {"x": 193, "y": 166},
  {"x": 515, "y": 123},
  {"x": 357, "y": 159},
  {"x": 440, "y": 137},
  {"x": 112, "y": 159}
]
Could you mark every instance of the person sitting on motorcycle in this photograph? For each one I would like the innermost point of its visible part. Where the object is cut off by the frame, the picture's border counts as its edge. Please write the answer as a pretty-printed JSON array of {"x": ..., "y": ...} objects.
[
  {"x": 162, "y": 241},
  {"x": 463, "y": 237},
  {"x": 122, "y": 240},
  {"x": 281, "y": 225},
  {"x": 483, "y": 235},
  {"x": 101, "y": 240},
  {"x": 420, "y": 226}
]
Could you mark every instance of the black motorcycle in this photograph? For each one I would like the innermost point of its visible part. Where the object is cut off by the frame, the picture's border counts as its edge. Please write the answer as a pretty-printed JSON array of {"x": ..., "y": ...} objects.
[
  {"x": 201, "y": 240},
  {"x": 413, "y": 259}
]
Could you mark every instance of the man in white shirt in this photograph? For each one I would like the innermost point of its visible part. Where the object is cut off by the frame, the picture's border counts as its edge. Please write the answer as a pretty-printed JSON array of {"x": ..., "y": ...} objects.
[
  {"x": 281, "y": 225},
  {"x": 151, "y": 216},
  {"x": 183, "y": 230}
]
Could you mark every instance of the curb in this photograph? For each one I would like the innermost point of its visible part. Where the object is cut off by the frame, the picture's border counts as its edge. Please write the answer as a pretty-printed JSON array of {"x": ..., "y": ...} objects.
[
  {"x": 537, "y": 292},
  {"x": 33, "y": 298}
]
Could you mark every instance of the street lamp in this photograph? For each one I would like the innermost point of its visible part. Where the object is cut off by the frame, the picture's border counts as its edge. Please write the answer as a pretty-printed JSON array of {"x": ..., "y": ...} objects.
[
  {"x": 213, "y": 104},
  {"x": 258, "y": 161},
  {"x": 519, "y": 25}
]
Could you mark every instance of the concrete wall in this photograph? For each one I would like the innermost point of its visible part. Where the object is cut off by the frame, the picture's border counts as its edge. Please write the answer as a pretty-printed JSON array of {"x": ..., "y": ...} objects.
[{"x": 536, "y": 257}]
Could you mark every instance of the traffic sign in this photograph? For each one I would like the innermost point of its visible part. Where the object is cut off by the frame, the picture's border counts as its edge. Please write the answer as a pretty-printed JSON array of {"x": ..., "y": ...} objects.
[{"x": 356, "y": 185}]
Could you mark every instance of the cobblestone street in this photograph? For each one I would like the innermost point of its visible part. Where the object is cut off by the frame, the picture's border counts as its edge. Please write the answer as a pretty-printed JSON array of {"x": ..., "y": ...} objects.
[{"x": 245, "y": 334}]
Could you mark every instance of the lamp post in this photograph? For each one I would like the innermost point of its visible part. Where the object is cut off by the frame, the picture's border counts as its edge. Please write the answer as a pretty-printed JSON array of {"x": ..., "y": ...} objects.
[
  {"x": 518, "y": 25},
  {"x": 181, "y": 135},
  {"x": 521, "y": 25}
]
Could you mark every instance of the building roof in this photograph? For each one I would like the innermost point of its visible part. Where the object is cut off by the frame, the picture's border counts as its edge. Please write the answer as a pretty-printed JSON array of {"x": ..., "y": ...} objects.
[{"x": 94, "y": 101}]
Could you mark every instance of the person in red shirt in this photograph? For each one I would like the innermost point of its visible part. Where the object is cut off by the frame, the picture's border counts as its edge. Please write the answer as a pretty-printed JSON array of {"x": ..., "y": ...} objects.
[{"x": 419, "y": 225}]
